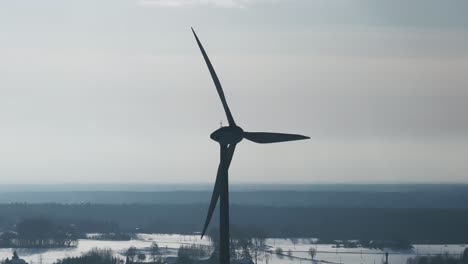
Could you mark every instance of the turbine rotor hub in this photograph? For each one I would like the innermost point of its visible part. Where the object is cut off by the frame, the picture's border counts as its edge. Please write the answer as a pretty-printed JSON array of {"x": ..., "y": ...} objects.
[{"x": 228, "y": 135}]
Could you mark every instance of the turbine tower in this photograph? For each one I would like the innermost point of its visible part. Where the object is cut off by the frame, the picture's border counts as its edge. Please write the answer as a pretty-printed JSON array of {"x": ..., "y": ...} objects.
[{"x": 228, "y": 137}]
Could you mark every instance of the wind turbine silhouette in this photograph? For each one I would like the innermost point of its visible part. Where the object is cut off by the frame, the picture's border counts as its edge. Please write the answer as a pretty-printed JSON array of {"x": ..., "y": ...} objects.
[{"x": 228, "y": 137}]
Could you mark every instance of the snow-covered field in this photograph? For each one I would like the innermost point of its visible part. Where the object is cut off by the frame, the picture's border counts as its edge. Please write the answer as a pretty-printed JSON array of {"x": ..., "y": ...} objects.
[
  {"x": 299, "y": 250},
  {"x": 329, "y": 253}
]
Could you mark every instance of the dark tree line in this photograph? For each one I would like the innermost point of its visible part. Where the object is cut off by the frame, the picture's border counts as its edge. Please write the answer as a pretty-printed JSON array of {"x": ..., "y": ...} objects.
[
  {"x": 414, "y": 225},
  {"x": 95, "y": 256},
  {"x": 440, "y": 259},
  {"x": 134, "y": 255},
  {"x": 343, "y": 196},
  {"x": 40, "y": 233}
]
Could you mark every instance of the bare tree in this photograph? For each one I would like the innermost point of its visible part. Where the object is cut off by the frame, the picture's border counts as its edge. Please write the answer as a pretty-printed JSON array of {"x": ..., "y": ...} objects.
[
  {"x": 312, "y": 252},
  {"x": 294, "y": 241},
  {"x": 257, "y": 245},
  {"x": 131, "y": 253},
  {"x": 279, "y": 252},
  {"x": 154, "y": 252}
]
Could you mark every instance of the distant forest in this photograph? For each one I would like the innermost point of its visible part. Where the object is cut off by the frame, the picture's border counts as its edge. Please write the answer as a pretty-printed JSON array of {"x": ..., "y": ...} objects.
[
  {"x": 418, "y": 225},
  {"x": 456, "y": 197}
]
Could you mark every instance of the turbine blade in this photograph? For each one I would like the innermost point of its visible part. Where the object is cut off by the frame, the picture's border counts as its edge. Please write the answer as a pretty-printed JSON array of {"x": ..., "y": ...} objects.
[
  {"x": 214, "y": 198},
  {"x": 226, "y": 154},
  {"x": 266, "y": 137},
  {"x": 216, "y": 82}
]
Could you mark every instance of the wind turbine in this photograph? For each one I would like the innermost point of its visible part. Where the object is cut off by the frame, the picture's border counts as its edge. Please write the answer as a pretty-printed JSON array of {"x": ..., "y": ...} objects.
[{"x": 228, "y": 137}]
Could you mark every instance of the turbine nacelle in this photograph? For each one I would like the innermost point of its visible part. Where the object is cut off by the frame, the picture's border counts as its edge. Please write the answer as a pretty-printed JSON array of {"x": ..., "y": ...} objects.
[{"x": 228, "y": 135}]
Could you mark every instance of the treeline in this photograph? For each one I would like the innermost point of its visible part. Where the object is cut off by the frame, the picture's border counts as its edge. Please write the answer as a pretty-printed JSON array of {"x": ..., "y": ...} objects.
[
  {"x": 39, "y": 233},
  {"x": 427, "y": 198},
  {"x": 107, "y": 236},
  {"x": 95, "y": 256},
  {"x": 440, "y": 259},
  {"x": 415, "y": 225}
]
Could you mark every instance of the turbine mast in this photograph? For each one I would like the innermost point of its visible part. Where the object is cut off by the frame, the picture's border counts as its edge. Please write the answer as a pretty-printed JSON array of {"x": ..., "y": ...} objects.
[{"x": 224, "y": 243}]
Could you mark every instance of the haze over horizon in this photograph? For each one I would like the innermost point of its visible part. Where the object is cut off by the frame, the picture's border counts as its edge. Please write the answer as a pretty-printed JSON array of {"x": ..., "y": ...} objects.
[{"x": 117, "y": 91}]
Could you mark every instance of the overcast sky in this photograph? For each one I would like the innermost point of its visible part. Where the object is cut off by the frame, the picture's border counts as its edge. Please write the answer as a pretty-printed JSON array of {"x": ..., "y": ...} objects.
[{"x": 117, "y": 90}]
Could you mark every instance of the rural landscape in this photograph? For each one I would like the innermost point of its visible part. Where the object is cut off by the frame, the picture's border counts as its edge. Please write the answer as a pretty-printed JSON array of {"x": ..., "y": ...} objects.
[
  {"x": 234, "y": 132},
  {"x": 322, "y": 223}
]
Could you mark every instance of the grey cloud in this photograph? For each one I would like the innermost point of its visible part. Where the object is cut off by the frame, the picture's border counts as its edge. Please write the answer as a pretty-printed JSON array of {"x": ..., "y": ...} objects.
[
  {"x": 218, "y": 3},
  {"x": 92, "y": 93}
]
